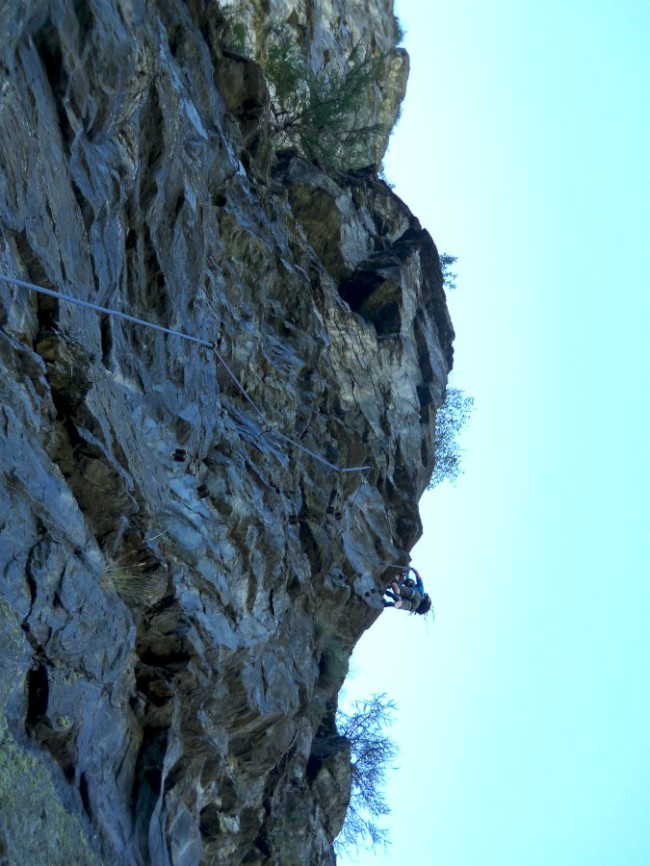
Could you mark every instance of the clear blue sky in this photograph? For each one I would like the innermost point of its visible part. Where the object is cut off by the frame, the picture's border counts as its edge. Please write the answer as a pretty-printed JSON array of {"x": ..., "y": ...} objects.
[{"x": 524, "y": 709}]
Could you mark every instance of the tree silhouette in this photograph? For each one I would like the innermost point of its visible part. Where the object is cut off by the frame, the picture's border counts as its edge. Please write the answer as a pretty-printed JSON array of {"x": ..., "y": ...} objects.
[
  {"x": 450, "y": 419},
  {"x": 372, "y": 753}
]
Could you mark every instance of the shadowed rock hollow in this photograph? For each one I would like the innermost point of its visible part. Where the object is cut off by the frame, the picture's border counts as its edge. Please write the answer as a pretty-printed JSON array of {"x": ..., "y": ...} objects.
[{"x": 181, "y": 585}]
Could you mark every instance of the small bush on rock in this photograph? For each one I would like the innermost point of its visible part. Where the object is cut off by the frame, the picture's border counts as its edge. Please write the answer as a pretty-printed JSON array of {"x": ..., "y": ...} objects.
[
  {"x": 448, "y": 276},
  {"x": 325, "y": 113}
]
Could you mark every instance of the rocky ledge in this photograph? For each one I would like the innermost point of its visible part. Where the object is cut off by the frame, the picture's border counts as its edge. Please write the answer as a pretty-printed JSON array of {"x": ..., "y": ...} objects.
[{"x": 195, "y": 534}]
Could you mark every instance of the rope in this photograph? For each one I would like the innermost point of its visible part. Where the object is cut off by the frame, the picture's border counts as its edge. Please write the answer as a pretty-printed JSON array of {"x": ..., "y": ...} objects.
[
  {"x": 62, "y": 297},
  {"x": 277, "y": 433},
  {"x": 209, "y": 345},
  {"x": 363, "y": 481}
]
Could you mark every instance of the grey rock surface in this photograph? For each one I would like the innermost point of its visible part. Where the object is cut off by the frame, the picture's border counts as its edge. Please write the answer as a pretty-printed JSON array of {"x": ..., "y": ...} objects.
[{"x": 183, "y": 581}]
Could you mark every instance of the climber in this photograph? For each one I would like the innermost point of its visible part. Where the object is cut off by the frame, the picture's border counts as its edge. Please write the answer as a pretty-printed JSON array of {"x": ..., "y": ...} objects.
[{"x": 408, "y": 594}]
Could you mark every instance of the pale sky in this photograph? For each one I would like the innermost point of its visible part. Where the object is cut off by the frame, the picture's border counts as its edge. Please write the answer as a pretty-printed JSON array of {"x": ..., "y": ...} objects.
[{"x": 524, "y": 708}]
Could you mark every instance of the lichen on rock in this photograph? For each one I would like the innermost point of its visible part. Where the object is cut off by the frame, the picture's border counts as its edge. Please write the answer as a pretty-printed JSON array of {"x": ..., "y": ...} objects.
[{"x": 185, "y": 572}]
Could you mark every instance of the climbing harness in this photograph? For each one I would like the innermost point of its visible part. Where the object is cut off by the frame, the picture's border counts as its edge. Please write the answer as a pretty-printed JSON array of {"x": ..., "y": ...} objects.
[{"x": 208, "y": 344}]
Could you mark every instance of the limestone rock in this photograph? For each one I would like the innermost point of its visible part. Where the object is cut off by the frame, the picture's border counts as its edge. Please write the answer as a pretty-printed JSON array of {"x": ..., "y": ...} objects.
[{"x": 186, "y": 567}]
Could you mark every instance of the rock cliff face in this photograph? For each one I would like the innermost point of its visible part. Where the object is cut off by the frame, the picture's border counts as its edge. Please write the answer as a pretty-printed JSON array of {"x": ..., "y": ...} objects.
[{"x": 185, "y": 566}]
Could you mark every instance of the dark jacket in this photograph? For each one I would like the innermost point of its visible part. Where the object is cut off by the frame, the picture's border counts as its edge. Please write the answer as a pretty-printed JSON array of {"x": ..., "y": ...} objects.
[{"x": 408, "y": 597}]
